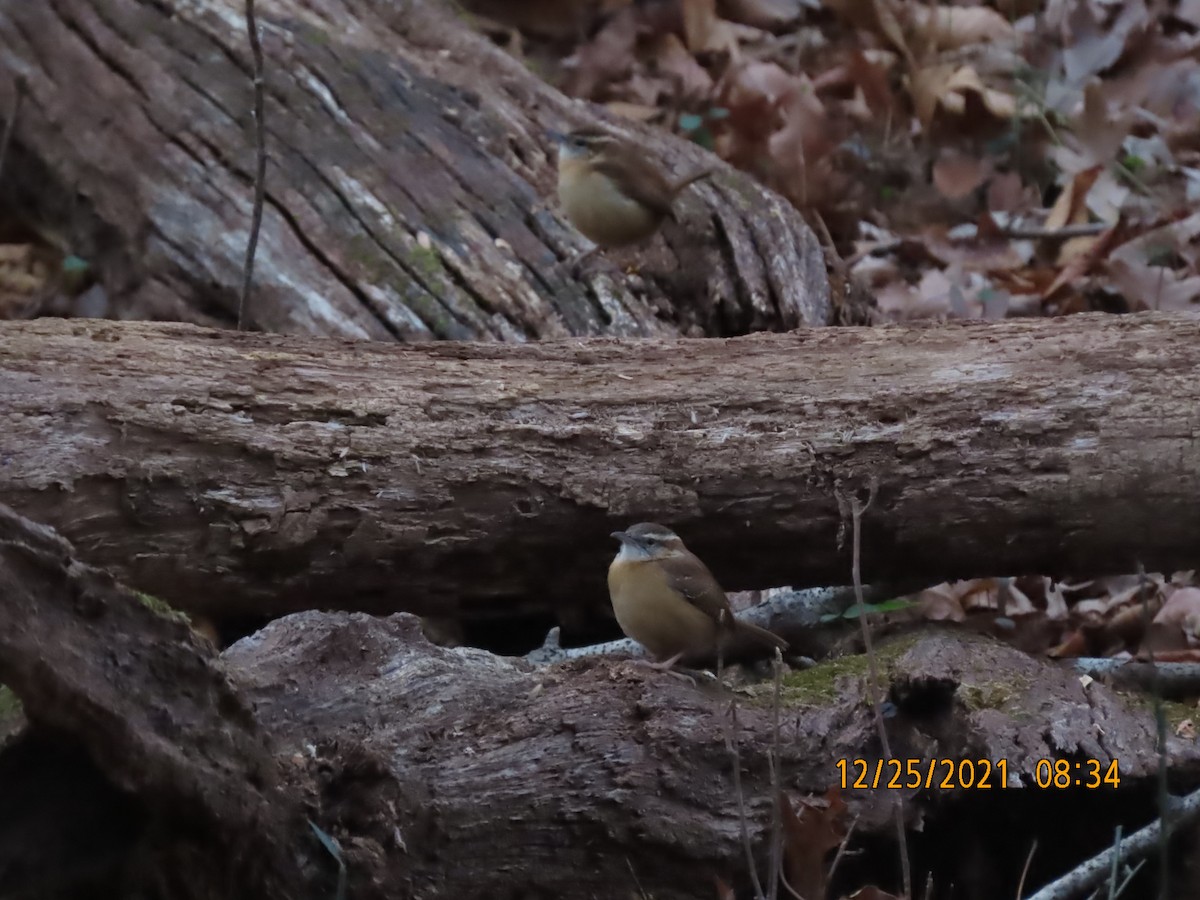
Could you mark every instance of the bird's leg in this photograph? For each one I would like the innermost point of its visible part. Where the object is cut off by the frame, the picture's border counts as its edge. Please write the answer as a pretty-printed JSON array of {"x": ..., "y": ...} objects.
[{"x": 665, "y": 665}]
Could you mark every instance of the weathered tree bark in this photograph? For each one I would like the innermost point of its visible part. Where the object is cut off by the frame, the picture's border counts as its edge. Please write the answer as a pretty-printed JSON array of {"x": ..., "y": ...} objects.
[
  {"x": 457, "y": 773},
  {"x": 164, "y": 760},
  {"x": 407, "y": 164},
  {"x": 244, "y": 473}
]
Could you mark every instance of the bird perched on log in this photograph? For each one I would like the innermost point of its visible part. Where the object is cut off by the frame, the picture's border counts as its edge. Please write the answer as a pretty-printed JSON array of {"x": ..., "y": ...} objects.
[
  {"x": 611, "y": 191},
  {"x": 668, "y": 601}
]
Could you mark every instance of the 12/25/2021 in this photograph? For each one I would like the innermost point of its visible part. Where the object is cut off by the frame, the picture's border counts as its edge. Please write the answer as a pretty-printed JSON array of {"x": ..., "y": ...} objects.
[{"x": 980, "y": 774}]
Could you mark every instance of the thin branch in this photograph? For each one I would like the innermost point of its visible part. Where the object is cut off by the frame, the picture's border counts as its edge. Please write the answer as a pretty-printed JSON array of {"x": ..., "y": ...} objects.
[
  {"x": 1093, "y": 872},
  {"x": 1035, "y": 233},
  {"x": 10, "y": 126},
  {"x": 731, "y": 744},
  {"x": 841, "y": 851},
  {"x": 1160, "y": 721},
  {"x": 1116, "y": 864},
  {"x": 1025, "y": 870},
  {"x": 1174, "y": 680},
  {"x": 776, "y": 786},
  {"x": 260, "y": 163},
  {"x": 856, "y": 513}
]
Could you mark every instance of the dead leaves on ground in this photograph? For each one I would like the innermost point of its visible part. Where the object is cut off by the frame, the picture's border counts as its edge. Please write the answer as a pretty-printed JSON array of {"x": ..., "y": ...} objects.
[
  {"x": 811, "y": 829},
  {"x": 1115, "y": 616},
  {"x": 989, "y": 159}
]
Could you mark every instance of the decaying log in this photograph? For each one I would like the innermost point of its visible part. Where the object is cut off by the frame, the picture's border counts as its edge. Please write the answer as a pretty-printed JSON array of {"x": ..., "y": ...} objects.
[
  {"x": 185, "y": 781},
  {"x": 408, "y": 165},
  {"x": 262, "y": 474},
  {"x": 458, "y": 773}
]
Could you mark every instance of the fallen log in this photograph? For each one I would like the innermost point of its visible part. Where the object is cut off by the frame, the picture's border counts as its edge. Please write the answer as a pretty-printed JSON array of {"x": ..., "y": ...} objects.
[
  {"x": 238, "y": 474},
  {"x": 143, "y": 771},
  {"x": 452, "y": 773},
  {"x": 408, "y": 169},
  {"x": 459, "y": 773}
]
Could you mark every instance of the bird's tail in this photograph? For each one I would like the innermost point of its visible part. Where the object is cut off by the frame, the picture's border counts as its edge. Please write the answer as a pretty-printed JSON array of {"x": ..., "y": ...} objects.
[{"x": 760, "y": 634}]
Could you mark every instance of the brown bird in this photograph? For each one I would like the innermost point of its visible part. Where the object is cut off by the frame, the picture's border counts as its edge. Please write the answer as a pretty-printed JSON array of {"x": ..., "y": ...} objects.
[
  {"x": 611, "y": 191},
  {"x": 668, "y": 601}
]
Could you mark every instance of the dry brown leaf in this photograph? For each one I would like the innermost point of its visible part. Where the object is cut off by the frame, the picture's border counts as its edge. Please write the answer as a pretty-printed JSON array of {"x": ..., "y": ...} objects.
[
  {"x": 1007, "y": 193},
  {"x": 1083, "y": 263},
  {"x": 1071, "y": 206},
  {"x": 1153, "y": 287},
  {"x": 672, "y": 58},
  {"x": 940, "y": 603},
  {"x": 1097, "y": 131},
  {"x": 948, "y": 86},
  {"x": 1073, "y": 644},
  {"x": 957, "y": 174},
  {"x": 1094, "y": 45},
  {"x": 699, "y": 23},
  {"x": 768, "y": 15},
  {"x": 807, "y": 836},
  {"x": 951, "y": 27},
  {"x": 1182, "y": 605},
  {"x": 881, "y": 17},
  {"x": 607, "y": 57}
]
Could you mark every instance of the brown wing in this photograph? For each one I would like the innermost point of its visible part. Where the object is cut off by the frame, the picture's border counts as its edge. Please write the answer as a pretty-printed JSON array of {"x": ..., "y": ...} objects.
[
  {"x": 691, "y": 578},
  {"x": 641, "y": 180}
]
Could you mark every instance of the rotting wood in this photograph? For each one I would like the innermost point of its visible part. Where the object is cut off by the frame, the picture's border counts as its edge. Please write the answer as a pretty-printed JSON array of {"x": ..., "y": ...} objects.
[
  {"x": 408, "y": 173},
  {"x": 184, "y": 781},
  {"x": 453, "y": 772},
  {"x": 253, "y": 474}
]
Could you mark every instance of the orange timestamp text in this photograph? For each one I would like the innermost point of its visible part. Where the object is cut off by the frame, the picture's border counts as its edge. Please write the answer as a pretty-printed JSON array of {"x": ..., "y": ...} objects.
[{"x": 980, "y": 774}]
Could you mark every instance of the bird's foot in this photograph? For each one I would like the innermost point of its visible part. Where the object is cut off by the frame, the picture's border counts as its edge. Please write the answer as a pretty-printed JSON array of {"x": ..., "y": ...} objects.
[{"x": 688, "y": 675}]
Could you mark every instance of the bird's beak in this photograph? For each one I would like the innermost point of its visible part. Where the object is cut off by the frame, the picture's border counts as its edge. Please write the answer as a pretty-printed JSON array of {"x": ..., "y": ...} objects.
[{"x": 620, "y": 536}]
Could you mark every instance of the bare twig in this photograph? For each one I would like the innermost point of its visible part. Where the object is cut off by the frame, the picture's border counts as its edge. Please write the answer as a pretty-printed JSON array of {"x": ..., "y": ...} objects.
[
  {"x": 1035, "y": 233},
  {"x": 776, "y": 786},
  {"x": 731, "y": 744},
  {"x": 1160, "y": 721},
  {"x": 1173, "y": 679},
  {"x": 1025, "y": 870},
  {"x": 260, "y": 163},
  {"x": 1093, "y": 872},
  {"x": 841, "y": 851},
  {"x": 10, "y": 126},
  {"x": 1116, "y": 864},
  {"x": 856, "y": 512}
]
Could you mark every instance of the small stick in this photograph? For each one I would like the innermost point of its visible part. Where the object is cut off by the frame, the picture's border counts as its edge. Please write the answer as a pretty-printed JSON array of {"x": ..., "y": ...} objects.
[
  {"x": 731, "y": 744},
  {"x": 856, "y": 513}
]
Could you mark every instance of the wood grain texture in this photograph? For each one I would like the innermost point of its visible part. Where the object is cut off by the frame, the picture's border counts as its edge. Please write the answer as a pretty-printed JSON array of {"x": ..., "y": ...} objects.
[
  {"x": 409, "y": 180},
  {"x": 247, "y": 472}
]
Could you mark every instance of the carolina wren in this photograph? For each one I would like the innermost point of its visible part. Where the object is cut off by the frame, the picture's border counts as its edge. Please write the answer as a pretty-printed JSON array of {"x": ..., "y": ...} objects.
[
  {"x": 668, "y": 601},
  {"x": 610, "y": 191}
]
